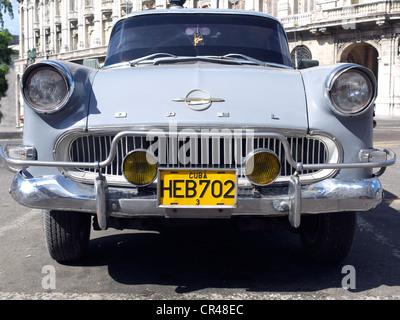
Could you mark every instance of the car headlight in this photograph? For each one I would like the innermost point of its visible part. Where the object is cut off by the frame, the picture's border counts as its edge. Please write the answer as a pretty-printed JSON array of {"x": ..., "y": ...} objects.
[
  {"x": 262, "y": 167},
  {"x": 46, "y": 87},
  {"x": 352, "y": 90},
  {"x": 140, "y": 167}
]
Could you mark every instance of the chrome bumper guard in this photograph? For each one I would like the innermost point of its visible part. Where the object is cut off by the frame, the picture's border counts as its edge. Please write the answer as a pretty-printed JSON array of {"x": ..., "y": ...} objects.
[{"x": 330, "y": 195}]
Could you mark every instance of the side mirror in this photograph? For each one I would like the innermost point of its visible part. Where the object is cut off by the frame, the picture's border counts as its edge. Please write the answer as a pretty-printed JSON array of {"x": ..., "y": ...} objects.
[{"x": 304, "y": 64}]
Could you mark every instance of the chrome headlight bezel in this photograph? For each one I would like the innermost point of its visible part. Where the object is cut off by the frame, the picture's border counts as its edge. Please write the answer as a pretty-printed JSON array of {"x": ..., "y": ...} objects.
[
  {"x": 66, "y": 79},
  {"x": 370, "y": 82}
]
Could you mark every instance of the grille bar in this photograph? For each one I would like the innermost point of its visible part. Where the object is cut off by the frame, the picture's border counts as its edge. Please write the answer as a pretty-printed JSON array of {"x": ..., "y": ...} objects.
[{"x": 201, "y": 152}]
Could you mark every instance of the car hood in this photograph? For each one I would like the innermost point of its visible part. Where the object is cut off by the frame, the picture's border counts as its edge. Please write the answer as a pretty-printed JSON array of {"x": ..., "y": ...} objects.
[{"x": 198, "y": 95}]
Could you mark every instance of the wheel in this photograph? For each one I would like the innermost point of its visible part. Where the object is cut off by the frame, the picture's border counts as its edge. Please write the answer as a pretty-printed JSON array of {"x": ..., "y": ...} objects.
[
  {"x": 66, "y": 234},
  {"x": 328, "y": 237}
]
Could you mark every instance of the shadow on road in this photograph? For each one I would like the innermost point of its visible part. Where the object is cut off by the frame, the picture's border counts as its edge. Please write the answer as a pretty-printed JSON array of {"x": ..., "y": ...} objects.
[
  {"x": 192, "y": 260},
  {"x": 197, "y": 259}
]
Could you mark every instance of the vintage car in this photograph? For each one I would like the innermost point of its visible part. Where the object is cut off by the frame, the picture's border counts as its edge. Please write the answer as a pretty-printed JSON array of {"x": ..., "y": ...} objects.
[{"x": 198, "y": 118}]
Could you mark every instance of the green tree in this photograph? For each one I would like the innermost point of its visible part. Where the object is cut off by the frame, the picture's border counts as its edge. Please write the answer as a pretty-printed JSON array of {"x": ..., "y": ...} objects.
[
  {"x": 5, "y": 51},
  {"x": 5, "y": 7}
]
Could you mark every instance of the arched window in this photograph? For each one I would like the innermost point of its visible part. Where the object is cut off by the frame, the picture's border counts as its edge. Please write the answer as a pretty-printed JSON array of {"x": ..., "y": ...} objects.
[
  {"x": 300, "y": 52},
  {"x": 363, "y": 54}
]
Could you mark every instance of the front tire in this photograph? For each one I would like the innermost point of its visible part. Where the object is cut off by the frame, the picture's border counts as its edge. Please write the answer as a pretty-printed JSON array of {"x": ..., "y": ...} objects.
[
  {"x": 66, "y": 234},
  {"x": 328, "y": 237}
]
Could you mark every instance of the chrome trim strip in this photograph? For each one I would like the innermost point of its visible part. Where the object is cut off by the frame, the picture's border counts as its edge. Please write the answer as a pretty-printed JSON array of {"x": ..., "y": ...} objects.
[
  {"x": 114, "y": 145},
  {"x": 163, "y": 128}
]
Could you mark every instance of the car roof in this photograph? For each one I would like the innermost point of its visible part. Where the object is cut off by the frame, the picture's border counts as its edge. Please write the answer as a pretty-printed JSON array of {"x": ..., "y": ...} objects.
[{"x": 199, "y": 11}]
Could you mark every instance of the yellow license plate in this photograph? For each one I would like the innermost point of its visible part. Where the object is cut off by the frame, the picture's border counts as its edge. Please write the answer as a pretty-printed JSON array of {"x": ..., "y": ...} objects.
[{"x": 195, "y": 188}]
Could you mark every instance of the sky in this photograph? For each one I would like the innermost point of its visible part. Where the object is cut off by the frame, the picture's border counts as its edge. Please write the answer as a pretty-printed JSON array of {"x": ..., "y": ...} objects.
[{"x": 12, "y": 24}]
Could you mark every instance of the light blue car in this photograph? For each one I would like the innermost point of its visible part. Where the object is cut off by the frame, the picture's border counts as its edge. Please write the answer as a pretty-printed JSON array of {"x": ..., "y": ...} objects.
[{"x": 198, "y": 118}]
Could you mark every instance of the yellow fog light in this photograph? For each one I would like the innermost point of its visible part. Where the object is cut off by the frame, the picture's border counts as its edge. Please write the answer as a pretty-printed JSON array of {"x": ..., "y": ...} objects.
[
  {"x": 140, "y": 167},
  {"x": 262, "y": 167}
]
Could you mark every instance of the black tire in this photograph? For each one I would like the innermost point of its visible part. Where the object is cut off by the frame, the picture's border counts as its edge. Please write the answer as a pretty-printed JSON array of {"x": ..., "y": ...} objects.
[
  {"x": 66, "y": 234},
  {"x": 328, "y": 237}
]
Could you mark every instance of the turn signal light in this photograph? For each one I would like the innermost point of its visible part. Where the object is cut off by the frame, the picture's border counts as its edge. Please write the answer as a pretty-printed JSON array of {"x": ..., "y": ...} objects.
[{"x": 23, "y": 153}]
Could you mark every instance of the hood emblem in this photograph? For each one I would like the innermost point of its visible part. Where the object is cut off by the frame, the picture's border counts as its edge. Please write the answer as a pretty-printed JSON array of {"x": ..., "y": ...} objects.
[{"x": 198, "y": 100}]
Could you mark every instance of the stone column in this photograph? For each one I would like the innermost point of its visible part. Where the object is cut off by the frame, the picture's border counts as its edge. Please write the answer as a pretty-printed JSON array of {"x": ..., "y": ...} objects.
[
  {"x": 396, "y": 77},
  {"x": 26, "y": 32},
  {"x": 81, "y": 24},
  {"x": 21, "y": 31},
  {"x": 97, "y": 33},
  {"x": 31, "y": 35},
  {"x": 53, "y": 39},
  {"x": 66, "y": 39},
  {"x": 384, "y": 99}
]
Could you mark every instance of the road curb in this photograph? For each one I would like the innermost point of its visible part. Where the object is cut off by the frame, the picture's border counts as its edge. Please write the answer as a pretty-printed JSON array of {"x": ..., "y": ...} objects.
[{"x": 11, "y": 135}]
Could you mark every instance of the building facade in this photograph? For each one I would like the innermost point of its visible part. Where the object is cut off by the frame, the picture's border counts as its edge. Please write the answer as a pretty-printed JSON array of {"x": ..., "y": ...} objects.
[
  {"x": 366, "y": 32},
  {"x": 360, "y": 31}
]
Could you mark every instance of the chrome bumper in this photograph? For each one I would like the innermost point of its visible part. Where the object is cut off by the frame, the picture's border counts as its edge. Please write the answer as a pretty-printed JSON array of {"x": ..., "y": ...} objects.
[{"x": 331, "y": 195}]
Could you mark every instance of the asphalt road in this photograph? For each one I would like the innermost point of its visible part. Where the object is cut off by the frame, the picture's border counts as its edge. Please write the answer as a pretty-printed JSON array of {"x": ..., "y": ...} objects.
[{"x": 197, "y": 265}]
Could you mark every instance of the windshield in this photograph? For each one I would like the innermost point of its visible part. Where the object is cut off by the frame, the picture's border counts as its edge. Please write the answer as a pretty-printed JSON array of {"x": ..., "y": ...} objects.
[{"x": 198, "y": 35}]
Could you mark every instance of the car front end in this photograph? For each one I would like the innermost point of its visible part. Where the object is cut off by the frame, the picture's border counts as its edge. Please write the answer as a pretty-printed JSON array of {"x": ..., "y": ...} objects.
[{"x": 204, "y": 129}]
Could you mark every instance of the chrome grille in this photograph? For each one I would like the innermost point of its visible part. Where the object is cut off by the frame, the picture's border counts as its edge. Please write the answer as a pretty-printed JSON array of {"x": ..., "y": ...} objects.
[{"x": 209, "y": 152}]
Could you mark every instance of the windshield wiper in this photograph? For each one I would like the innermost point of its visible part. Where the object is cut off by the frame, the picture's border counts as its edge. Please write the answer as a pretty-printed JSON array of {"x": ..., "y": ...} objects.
[
  {"x": 215, "y": 59},
  {"x": 256, "y": 61},
  {"x": 243, "y": 57},
  {"x": 231, "y": 58},
  {"x": 150, "y": 57}
]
